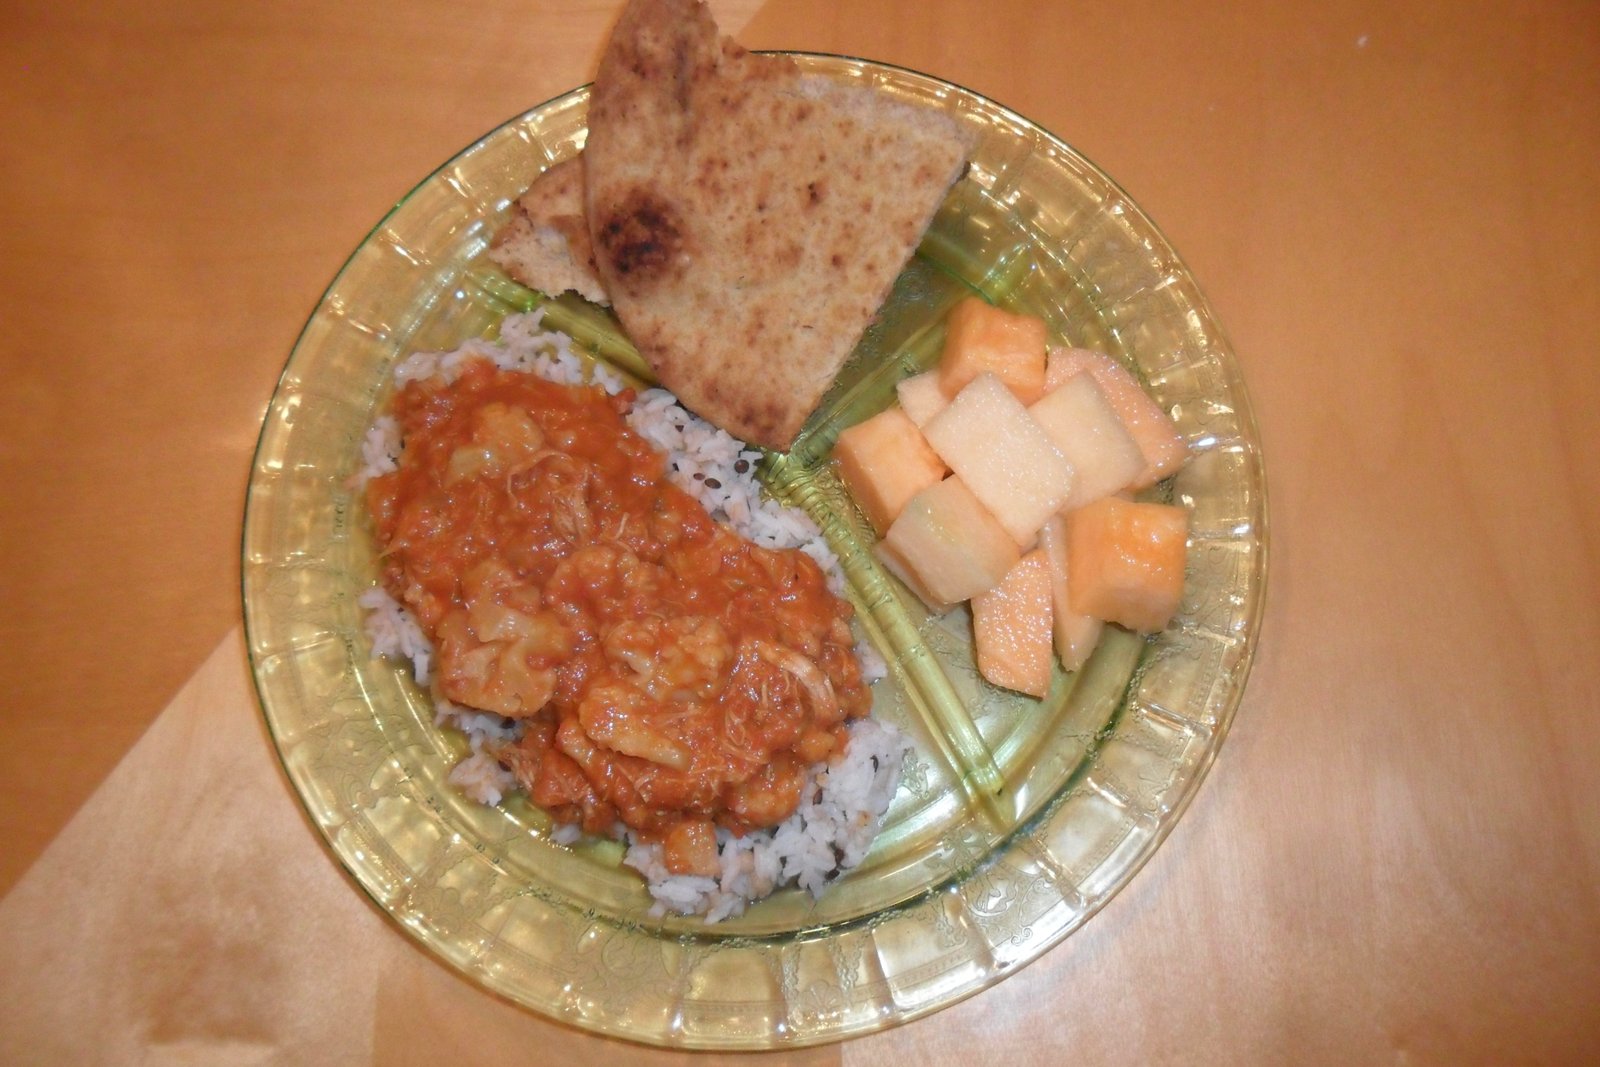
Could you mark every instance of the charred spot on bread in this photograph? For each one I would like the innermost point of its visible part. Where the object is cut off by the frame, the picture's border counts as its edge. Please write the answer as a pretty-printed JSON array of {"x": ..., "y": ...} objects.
[{"x": 642, "y": 237}]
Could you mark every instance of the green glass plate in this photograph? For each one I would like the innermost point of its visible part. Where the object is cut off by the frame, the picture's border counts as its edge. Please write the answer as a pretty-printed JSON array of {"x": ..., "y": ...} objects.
[{"x": 1016, "y": 820}]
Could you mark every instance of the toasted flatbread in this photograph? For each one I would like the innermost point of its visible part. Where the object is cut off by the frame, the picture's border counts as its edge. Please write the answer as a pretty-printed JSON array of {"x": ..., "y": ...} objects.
[
  {"x": 749, "y": 220},
  {"x": 545, "y": 245}
]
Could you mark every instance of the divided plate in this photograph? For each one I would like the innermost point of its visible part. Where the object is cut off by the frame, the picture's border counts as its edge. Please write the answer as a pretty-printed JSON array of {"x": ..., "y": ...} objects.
[{"x": 1017, "y": 818}]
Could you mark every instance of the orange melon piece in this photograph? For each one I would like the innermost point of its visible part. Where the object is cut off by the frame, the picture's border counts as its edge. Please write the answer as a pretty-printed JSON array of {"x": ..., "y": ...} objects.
[
  {"x": 1126, "y": 562},
  {"x": 946, "y": 546},
  {"x": 1157, "y": 436},
  {"x": 981, "y": 338},
  {"x": 921, "y": 396},
  {"x": 1076, "y": 634},
  {"x": 1011, "y": 627},
  {"x": 990, "y": 440},
  {"x": 884, "y": 462}
]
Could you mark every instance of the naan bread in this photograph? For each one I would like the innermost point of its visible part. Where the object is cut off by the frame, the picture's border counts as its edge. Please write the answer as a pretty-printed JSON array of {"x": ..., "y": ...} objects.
[
  {"x": 748, "y": 220},
  {"x": 545, "y": 245}
]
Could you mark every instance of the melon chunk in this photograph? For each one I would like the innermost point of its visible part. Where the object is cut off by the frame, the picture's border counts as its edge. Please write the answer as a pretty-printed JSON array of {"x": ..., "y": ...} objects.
[
  {"x": 946, "y": 546},
  {"x": 1011, "y": 627},
  {"x": 884, "y": 462},
  {"x": 989, "y": 439},
  {"x": 1164, "y": 451},
  {"x": 981, "y": 338},
  {"x": 1125, "y": 562},
  {"x": 1076, "y": 634},
  {"x": 921, "y": 396},
  {"x": 1085, "y": 429}
]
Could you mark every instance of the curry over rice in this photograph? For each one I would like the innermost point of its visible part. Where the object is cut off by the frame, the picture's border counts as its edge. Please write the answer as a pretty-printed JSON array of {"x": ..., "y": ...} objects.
[{"x": 669, "y": 674}]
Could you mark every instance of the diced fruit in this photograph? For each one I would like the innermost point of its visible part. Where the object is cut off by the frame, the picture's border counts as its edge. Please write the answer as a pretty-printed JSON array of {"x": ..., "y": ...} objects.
[
  {"x": 1076, "y": 634},
  {"x": 946, "y": 546},
  {"x": 990, "y": 440},
  {"x": 1085, "y": 429},
  {"x": 982, "y": 338},
  {"x": 921, "y": 396},
  {"x": 1011, "y": 627},
  {"x": 1164, "y": 451},
  {"x": 885, "y": 461},
  {"x": 1126, "y": 561}
]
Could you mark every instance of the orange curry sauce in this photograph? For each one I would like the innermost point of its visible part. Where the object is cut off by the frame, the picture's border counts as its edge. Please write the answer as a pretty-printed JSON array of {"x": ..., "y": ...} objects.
[{"x": 669, "y": 673}]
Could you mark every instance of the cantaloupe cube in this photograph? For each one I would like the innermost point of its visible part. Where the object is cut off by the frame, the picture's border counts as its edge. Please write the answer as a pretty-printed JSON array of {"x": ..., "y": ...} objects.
[
  {"x": 982, "y": 338},
  {"x": 946, "y": 546},
  {"x": 1164, "y": 451},
  {"x": 1076, "y": 634},
  {"x": 1125, "y": 562},
  {"x": 989, "y": 439},
  {"x": 884, "y": 462},
  {"x": 921, "y": 396},
  {"x": 1011, "y": 627},
  {"x": 1085, "y": 429}
]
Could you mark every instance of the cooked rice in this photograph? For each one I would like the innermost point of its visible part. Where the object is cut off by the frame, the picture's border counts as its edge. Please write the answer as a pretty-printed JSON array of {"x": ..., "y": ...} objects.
[
  {"x": 828, "y": 834},
  {"x": 845, "y": 799}
]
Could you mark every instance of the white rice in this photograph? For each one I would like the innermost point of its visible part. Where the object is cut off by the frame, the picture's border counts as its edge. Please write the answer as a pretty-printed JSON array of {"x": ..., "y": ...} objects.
[{"x": 844, "y": 800}]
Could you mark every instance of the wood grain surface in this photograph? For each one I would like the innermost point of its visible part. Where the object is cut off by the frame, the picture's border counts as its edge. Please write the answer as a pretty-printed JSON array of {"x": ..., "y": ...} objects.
[{"x": 1393, "y": 210}]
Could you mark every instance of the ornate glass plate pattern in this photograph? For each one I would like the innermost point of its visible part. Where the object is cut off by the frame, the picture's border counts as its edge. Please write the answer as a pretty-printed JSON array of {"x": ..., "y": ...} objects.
[{"x": 1016, "y": 819}]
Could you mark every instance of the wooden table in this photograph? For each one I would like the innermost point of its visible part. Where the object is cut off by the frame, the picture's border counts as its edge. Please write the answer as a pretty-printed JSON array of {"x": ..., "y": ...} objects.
[{"x": 1394, "y": 211}]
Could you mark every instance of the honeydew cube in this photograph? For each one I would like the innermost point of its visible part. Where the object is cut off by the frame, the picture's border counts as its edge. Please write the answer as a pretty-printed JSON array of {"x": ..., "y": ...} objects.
[
  {"x": 884, "y": 462},
  {"x": 1158, "y": 438},
  {"x": 1076, "y": 634},
  {"x": 981, "y": 338},
  {"x": 921, "y": 396},
  {"x": 988, "y": 438},
  {"x": 1085, "y": 429},
  {"x": 1126, "y": 560},
  {"x": 1011, "y": 627},
  {"x": 946, "y": 546}
]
